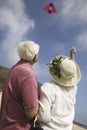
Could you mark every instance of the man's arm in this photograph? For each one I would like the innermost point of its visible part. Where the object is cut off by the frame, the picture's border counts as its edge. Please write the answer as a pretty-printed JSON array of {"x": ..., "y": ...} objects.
[{"x": 31, "y": 115}]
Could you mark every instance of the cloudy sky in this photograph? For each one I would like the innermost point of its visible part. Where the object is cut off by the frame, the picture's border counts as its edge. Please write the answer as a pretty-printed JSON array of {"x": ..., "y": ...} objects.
[{"x": 55, "y": 33}]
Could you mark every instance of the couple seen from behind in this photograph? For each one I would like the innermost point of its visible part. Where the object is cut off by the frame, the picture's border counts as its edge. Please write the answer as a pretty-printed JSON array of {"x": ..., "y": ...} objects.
[{"x": 55, "y": 108}]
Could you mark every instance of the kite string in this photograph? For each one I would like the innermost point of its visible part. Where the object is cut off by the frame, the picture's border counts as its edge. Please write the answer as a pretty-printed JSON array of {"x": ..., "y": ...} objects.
[
  {"x": 63, "y": 28},
  {"x": 70, "y": 41},
  {"x": 67, "y": 35}
]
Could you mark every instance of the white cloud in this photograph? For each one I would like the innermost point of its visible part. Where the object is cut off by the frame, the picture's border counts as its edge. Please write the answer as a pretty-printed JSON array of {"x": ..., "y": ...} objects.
[
  {"x": 81, "y": 40},
  {"x": 74, "y": 14},
  {"x": 42, "y": 72},
  {"x": 81, "y": 115},
  {"x": 15, "y": 24},
  {"x": 74, "y": 11}
]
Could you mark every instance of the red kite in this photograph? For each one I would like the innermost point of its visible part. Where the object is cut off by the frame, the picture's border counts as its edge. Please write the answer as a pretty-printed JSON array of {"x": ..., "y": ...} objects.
[{"x": 50, "y": 8}]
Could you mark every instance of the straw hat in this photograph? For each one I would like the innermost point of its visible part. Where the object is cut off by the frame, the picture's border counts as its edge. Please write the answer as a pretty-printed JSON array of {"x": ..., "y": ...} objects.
[
  {"x": 64, "y": 71},
  {"x": 27, "y": 50}
]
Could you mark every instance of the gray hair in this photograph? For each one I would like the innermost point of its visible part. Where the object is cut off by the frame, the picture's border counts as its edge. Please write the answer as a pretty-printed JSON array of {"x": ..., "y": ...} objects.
[{"x": 27, "y": 50}]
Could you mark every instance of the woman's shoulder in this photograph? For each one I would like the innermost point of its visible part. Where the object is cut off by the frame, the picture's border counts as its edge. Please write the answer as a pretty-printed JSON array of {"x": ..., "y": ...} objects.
[{"x": 49, "y": 87}]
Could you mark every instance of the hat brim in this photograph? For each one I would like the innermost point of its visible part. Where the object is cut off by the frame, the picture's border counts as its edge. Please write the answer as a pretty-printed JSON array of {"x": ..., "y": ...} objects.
[{"x": 62, "y": 81}]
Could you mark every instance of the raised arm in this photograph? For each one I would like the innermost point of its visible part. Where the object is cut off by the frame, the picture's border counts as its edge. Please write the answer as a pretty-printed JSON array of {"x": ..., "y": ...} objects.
[{"x": 72, "y": 52}]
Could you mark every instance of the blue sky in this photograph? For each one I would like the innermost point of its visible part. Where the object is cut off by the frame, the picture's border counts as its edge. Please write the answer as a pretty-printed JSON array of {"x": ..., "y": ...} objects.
[{"x": 55, "y": 33}]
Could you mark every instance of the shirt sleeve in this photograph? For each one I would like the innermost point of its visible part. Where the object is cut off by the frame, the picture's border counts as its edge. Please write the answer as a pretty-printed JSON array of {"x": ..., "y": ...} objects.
[
  {"x": 29, "y": 93},
  {"x": 44, "y": 114}
]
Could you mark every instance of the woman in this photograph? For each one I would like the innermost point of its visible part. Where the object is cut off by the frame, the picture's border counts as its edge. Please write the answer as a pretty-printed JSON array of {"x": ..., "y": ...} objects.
[{"x": 57, "y": 97}]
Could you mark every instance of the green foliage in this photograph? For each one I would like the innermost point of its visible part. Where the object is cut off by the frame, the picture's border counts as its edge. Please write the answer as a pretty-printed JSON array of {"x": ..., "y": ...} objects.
[
  {"x": 55, "y": 65},
  {"x": 3, "y": 73}
]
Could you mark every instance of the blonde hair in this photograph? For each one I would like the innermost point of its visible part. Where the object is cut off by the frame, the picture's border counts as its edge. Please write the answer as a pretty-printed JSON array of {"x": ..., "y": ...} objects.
[{"x": 27, "y": 50}]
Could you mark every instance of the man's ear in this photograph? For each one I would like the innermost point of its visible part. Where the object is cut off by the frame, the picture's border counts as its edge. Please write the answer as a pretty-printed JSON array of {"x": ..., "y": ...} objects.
[{"x": 35, "y": 58}]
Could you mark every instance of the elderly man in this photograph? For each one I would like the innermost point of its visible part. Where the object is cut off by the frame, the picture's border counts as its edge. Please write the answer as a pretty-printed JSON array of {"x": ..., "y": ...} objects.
[{"x": 20, "y": 98}]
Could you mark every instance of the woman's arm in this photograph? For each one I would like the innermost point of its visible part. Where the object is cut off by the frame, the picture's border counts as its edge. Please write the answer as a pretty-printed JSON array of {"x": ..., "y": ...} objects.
[{"x": 72, "y": 52}]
